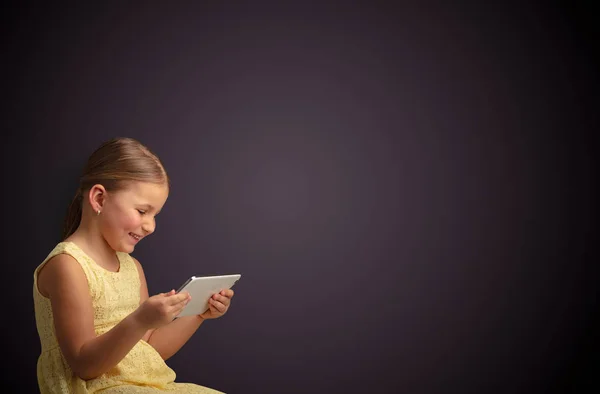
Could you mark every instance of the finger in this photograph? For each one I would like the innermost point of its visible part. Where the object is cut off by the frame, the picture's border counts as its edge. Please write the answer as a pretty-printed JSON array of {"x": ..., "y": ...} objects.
[
  {"x": 220, "y": 307},
  {"x": 227, "y": 293},
  {"x": 179, "y": 307},
  {"x": 178, "y": 298},
  {"x": 176, "y": 312},
  {"x": 223, "y": 300}
]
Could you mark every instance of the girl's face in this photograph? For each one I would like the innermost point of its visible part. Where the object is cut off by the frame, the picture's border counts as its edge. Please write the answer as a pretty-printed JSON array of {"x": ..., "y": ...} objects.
[{"x": 128, "y": 215}]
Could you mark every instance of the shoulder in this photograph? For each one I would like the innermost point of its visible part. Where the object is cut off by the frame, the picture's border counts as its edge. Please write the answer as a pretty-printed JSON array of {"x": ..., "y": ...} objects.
[
  {"x": 59, "y": 271},
  {"x": 139, "y": 267},
  {"x": 131, "y": 261},
  {"x": 137, "y": 263},
  {"x": 142, "y": 276}
]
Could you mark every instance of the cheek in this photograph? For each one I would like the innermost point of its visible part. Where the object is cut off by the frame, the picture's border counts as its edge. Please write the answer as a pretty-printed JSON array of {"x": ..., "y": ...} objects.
[
  {"x": 131, "y": 222},
  {"x": 127, "y": 222}
]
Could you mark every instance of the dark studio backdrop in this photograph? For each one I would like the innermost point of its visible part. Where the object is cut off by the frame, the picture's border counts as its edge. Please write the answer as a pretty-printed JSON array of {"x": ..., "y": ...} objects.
[{"x": 405, "y": 189}]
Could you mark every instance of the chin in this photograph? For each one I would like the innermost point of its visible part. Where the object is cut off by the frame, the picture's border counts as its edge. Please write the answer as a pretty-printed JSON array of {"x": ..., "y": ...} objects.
[
  {"x": 127, "y": 248},
  {"x": 124, "y": 247}
]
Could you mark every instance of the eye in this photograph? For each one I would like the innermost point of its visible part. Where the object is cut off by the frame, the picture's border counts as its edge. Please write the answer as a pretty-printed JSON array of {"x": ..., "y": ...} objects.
[{"x": 142, "y": 212}]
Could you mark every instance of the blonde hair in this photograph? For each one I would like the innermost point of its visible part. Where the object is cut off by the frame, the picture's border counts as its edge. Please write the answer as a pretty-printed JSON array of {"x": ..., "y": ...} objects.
[{"x": 115, "y": 163}]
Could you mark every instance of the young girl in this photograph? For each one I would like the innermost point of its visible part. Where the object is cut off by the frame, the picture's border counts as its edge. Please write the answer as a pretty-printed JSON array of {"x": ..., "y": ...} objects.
[{"x": 99, "y": 329}]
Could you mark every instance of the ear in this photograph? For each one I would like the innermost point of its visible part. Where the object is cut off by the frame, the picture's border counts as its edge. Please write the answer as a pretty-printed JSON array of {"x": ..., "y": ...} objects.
[{"x": 96, "y": 197}]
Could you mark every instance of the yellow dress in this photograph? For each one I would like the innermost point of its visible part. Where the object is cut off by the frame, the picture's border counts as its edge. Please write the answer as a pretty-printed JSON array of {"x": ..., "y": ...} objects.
[{"x": 114, "y": 295}]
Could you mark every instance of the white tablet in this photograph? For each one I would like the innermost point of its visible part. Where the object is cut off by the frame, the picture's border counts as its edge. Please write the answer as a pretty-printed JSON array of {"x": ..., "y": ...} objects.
[{"x": 201, "y": 289}]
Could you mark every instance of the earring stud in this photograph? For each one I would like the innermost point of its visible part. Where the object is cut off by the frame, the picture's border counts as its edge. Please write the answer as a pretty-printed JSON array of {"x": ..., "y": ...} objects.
[{"x": 98, "y": 212}]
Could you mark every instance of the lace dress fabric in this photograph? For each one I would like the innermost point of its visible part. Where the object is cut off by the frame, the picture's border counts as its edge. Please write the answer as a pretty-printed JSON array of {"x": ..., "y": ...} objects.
[{"x": 114, "y": 296}]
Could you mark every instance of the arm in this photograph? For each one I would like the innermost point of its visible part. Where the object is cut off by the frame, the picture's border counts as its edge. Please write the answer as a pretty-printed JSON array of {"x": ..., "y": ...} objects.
[
  {"x": 63, "y": 281},
  {"x": 168, "y": 339}
]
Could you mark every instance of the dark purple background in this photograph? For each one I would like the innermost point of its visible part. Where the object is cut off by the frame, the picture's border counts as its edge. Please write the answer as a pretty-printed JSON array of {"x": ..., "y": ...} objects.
[{"x": 407, "y": 192}]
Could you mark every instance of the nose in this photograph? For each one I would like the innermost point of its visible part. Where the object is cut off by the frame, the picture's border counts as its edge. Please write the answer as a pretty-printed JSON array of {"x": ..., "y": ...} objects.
[{"x": 149, "y": 226}]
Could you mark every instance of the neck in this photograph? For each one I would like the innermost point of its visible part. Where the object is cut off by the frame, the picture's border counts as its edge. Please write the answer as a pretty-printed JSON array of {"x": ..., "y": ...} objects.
[{"x": 89, "y": 238}]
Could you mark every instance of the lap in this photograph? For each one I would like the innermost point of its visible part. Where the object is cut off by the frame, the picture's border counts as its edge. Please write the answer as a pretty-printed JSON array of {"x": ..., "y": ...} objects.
[{"x": 174, "y": 388}]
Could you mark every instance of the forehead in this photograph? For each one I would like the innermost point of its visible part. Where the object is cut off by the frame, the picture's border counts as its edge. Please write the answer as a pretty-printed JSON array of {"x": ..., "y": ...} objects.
[{"x": 144, "y": 193}]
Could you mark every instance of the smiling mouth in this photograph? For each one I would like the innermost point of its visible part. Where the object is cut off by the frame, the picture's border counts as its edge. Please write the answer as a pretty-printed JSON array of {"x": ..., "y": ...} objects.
[{"x": 135, "y": 236}]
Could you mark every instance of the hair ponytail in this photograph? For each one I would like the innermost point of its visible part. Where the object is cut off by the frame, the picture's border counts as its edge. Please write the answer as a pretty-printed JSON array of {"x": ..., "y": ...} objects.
[{"x": 73, "y": 217}]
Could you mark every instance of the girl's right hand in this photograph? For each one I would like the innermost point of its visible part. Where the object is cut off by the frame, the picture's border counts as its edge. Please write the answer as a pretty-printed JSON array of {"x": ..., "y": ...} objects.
[{"x": 161, "y": 309}]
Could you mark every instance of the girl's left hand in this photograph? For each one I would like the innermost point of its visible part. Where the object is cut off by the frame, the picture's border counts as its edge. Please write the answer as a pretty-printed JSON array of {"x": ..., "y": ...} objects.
[{"x": 218, "y": 304}]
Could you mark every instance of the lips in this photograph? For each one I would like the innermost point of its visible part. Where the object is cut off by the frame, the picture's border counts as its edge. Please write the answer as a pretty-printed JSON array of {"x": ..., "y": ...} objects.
[{"x": 135, "y": 237}]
